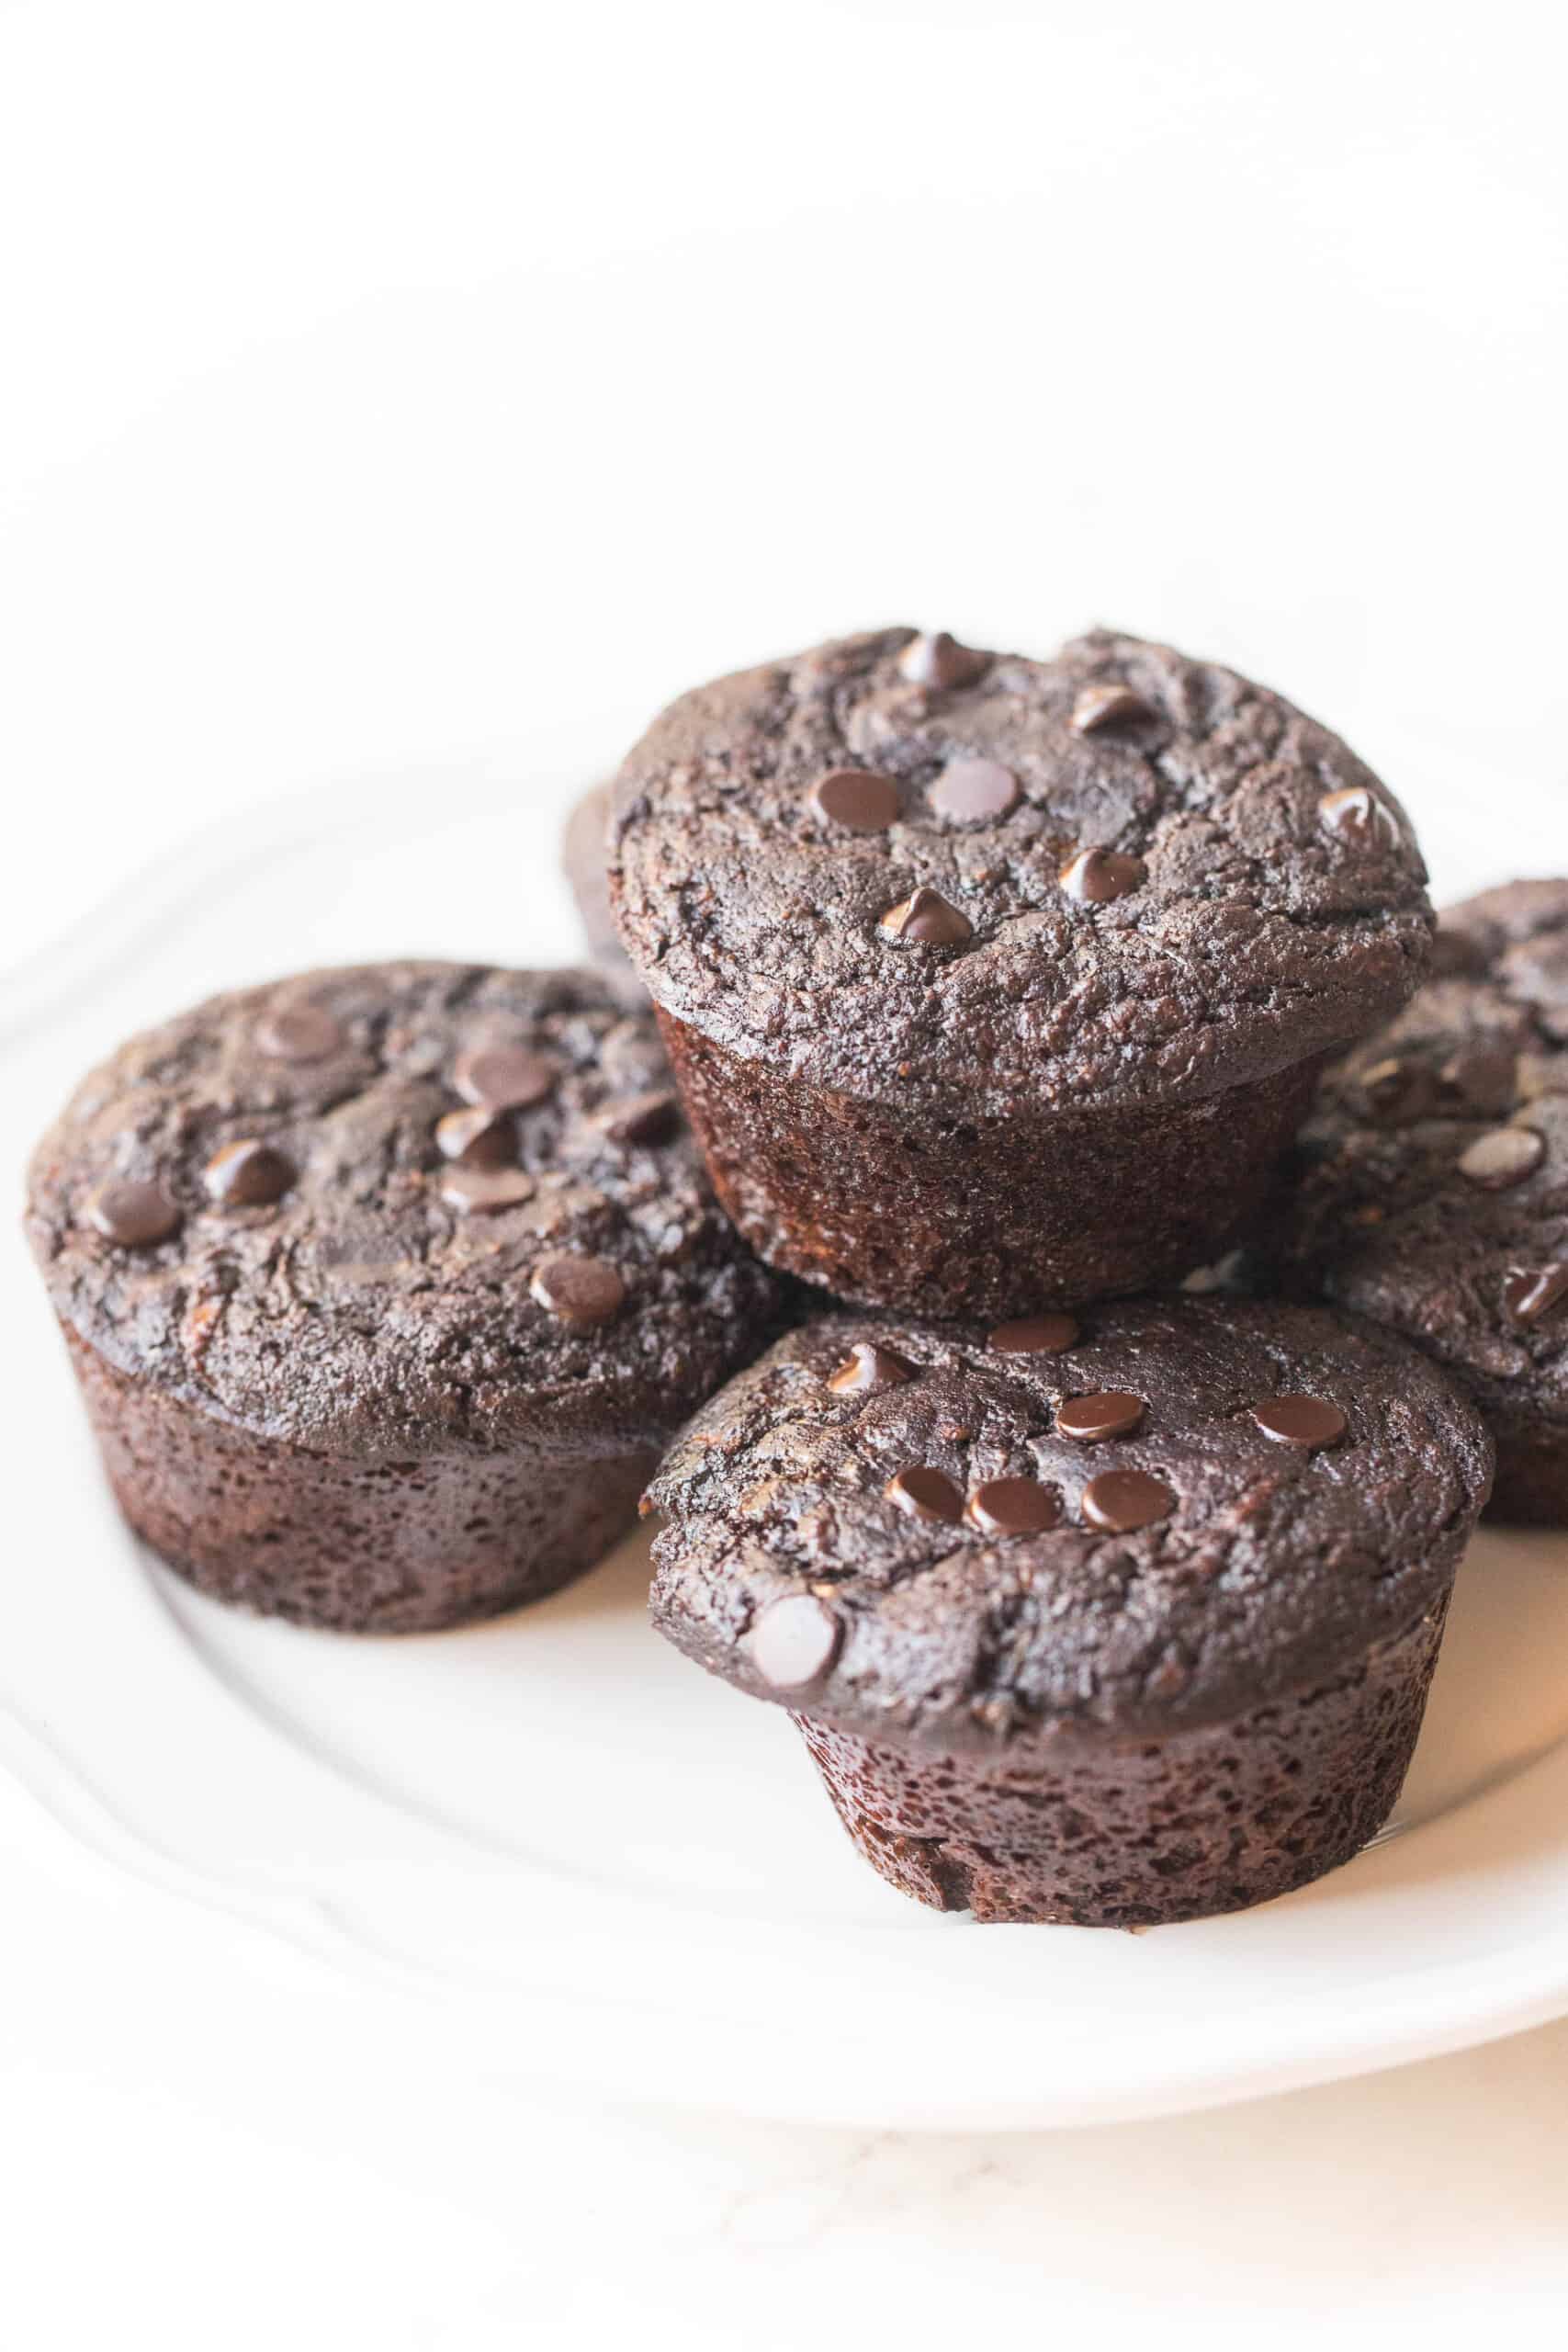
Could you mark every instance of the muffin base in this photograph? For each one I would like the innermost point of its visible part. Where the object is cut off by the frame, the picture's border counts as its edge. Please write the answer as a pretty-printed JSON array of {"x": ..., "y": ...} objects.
[
  {"x": 1130, "y": 1833},
  {"x": 989, "y": 1217},
  {"x": 365, "y": 1547}
]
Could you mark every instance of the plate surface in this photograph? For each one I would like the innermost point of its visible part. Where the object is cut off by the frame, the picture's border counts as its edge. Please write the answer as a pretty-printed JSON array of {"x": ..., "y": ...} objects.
[{"x": 577, "y": 1855}]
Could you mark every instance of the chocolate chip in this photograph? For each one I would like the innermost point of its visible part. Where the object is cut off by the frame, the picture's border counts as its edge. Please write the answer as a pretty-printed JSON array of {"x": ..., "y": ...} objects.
[
  {"x": 478, "y": 1136},
  {"x": 1035, "y": 1335},
  {"x": 651, "y": 1117},
  {"x": 940, "y": 661},
  {"x": 133, "y": 1215},
  {"x": 298, "y": 1033},
  {"x": 1098, "y": 876},
  {"x": 476, "y": 1191},
  {"x": 248, "y": 1175},
  {"x": 1308, "y": 1422},
  {"x": 1532, "y": 1292},
  {"x": 868, "y": 1368},
  {"x": 1108, "y": 705},
  {"x": 1502, "y": 1157},
  {"x": 794, "y": 1641},
  {"x": 927, "y": 919},
  {"x": 925, "y": 1494},
  {"x": 858, "y": 800},
  {"x": 505, "y": 1077},
  {"x": 1482, "y": 1081},
  {"x": 1108, "y": 1413},
  {"x": 1397, "y": 1093},
  {"x": 1012, "y": 1507},
  {"x": 580, "y": 1289},
  {"x": 1357, "y": 815},
  {"x": 1123, "y": 1500},
  {"x": 970, "y": 792}
]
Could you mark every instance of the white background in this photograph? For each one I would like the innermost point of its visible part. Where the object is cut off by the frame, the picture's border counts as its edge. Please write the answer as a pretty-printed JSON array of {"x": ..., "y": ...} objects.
[{"x": 385, "y": 385}]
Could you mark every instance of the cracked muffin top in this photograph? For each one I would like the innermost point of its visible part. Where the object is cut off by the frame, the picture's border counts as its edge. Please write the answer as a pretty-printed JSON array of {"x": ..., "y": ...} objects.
[
  {"x": 903, "y": 868},
  {"x": 398, "y": 1209},
  {"x": 1153, "y": 1515},
  {"x": 1430, "y": 1186}
]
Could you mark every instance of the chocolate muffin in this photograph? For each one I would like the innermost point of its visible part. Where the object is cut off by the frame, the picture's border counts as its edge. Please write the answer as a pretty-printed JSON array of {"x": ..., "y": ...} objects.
[
  {"x": 386, "y": 1286},
  {"x": 584, "y": 859},
  {"x": 1430, "y": 1189},
  {"x": 993, "y": 982},
  {"x": 1117, "y": 1621}
]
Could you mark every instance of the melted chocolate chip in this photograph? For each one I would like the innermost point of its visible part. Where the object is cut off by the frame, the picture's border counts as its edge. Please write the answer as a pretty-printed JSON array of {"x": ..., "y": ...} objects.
[
  {"x": 476, "y": 1191},
  {"x": 298, "y": 1033},
  {"x": 1035, "y": 1335},
  {"x": 1120, "y": 1501},
  {"x": 971, "y": 792},
  {"x": 479, "y": 1137},
  {"x": 794, "y": 1641},
  {"x": 580, "y": 1289},
  {"x": 1108, "y": 1413},
  {"x": 1108, "y": 705},
  {"x": 1531, "y": 1294},
  {"x": 1307, "y": 1422},
  {"x": 248, "y": 1175},
  {"x": 868, "y": 1368},
  {"x": 133, "y": 1215},
  {"x": 1098, "y": 876},
  {"x": 1502, "y": 1157},
  {"x": 859, "y": 799},
  {"x": 505, "y": 1077},
  {"x": 925, "y": 1494},
  {"x": 650, "y": 1117},
  {"x": 927, "y": 919},
  {"x": 1013, "y": 1506},
  {"x": 1482, "y": 1081},
  {"x": 940, "y": 661},
  {"x": 1357, "y": 815}
]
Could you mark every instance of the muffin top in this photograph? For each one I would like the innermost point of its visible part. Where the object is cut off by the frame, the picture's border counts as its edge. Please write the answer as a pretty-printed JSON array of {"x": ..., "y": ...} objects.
[
  {"x": 396, "y": 1210},
  {"x": 911, "y": 871},
  {"x": 1431, "y": 1184},
  {"x": 1155, "y": 1515}
]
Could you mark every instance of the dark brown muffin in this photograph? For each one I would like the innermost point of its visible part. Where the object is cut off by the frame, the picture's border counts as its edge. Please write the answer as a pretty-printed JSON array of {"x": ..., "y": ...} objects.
[
  {"x": 1117, "y": 1621},
  {"x": 992, "y": 982},
  {"x": 1430, "y": 1189},
  {"x": 386, "y": 1286},
  {"x": 584, "y": 860}
]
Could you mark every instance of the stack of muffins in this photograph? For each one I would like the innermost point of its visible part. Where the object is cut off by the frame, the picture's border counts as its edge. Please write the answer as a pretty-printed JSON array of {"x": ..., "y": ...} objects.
[{"x": 1054, "y": 1054}]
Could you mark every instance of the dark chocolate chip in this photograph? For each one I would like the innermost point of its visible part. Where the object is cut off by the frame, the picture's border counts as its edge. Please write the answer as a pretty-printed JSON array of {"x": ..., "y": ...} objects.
[
  {"x": 580, "y": 1289},
  {"x": 1357, "y": 815},
  {"x": 1108, "y": 1413},
  {"x": 1482, "y": 1080},
  {"x": 859, "y": 799},
  {"x": 248, "y": 1175},
  {"x": 133, "y": 1215},
  {"x": 925, "y": 1494},
  {"x": 476, "y": 1191},
  {"x": 1120, "y": 1501},
  {"x": 1502, "y": 1155},
  {"x": 794, "y": 1641},
  {"x": 1530, "y": 1293},
  {"x": 298, "y": 1033},
  {"x": 478, "y": 1136},
  {"x": 1035, "y": 1335},
  {"x": 927, "y": 919},
  {"x": 1308, "y": 1422},
  {"x": 650, "y": 1117},
  {"x": 940, "y": 661},
  {"x": 1397, "y": 1093},
  {"x": 503, "y": 1077},
  {"x": 1108, "y": 705},
  {"x": 868, "y": 1368},
  {"x": 971, "y": 792},
  {"x": 1013, "y": 1506},
  {"x": 1098, "y": 876}
]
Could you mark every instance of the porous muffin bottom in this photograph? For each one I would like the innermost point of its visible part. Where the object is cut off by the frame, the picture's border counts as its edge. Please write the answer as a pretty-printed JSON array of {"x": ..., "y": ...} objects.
[
  {"x": 352, "y": 1545},
  {"x": 1133, "y": 1832},
  {"x": 986, "y": 1216}
]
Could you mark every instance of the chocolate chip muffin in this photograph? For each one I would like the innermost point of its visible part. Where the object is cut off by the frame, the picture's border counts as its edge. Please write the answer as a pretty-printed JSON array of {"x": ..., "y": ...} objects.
[
  {"x": 993, "y": 982},
  {"x": 1431, "y": 1185},
  {"x": 584, "y": 855},
  {"x": 386, "y": 1286},
  {"x": 1116, "y": 1620}
]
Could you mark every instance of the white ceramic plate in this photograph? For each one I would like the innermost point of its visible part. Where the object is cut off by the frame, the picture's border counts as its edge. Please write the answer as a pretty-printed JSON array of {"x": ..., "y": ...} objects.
[{"x": 569, "y": 1848}]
